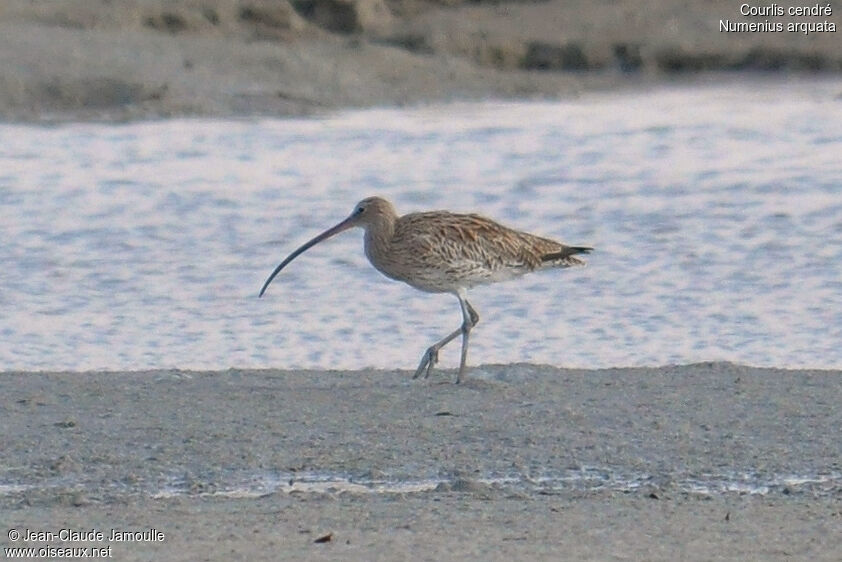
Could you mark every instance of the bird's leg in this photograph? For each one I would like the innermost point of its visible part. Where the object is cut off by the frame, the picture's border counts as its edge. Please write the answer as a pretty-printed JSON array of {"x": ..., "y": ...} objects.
[
  {"x": 431, "y": 356},
  {"x": 471, "y": 318}
]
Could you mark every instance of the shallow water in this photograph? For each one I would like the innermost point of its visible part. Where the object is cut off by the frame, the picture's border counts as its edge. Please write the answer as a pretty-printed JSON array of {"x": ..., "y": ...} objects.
[
  {"x": 716, "y": 214},
  {"x": 237, "y": 484},
  {"x": 590, "y": 479}
]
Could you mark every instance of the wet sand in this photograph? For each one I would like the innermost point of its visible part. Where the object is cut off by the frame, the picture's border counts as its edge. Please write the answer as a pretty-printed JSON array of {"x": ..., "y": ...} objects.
[{"x": 700, "y": 462}]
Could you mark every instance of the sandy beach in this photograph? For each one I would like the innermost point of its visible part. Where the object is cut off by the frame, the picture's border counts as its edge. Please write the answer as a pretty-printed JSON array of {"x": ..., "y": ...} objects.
[
  {"x": 135, "y": 59},
  {"x": 699, "y": 462}
]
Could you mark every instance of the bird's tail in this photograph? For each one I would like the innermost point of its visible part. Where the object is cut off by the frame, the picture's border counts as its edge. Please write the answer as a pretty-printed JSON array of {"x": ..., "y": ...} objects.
[
  {"x": 566, "y": 253},
  {"x": 580, "y": 249}
]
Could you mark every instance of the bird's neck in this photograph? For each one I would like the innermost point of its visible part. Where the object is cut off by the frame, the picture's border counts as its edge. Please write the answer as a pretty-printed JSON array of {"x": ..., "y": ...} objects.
[{"x": 378, "y": 237}]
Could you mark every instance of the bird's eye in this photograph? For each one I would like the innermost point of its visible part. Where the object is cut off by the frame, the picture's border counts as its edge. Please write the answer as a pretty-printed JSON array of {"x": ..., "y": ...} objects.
[{"x": 359, "y": 210}]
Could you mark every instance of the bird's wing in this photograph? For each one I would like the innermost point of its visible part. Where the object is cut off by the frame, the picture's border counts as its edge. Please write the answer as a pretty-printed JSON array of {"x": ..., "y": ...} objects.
[{"x": 453, "y": 239}]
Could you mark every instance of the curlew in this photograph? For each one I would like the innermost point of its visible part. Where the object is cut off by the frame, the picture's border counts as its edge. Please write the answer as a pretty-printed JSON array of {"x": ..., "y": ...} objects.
[{"x": 443, "y": 252}]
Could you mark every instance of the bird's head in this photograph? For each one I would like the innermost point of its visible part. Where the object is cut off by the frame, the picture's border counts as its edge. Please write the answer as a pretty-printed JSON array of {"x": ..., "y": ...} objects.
[
  {"x": 365, "y": 213},
  {"x": 370, "y": 210}
]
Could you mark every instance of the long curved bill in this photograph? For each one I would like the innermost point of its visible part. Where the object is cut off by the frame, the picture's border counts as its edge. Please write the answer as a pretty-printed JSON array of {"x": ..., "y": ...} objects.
[{"x": 344, "y": 225}]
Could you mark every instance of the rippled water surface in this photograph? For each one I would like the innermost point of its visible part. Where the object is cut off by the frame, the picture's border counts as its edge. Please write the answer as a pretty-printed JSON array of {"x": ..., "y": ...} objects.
[{"x": 716, "y": 214}]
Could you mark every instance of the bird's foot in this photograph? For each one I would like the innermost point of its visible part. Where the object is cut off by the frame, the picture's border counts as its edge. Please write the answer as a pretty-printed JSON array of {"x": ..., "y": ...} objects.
[{"x": 430, "y": 358}]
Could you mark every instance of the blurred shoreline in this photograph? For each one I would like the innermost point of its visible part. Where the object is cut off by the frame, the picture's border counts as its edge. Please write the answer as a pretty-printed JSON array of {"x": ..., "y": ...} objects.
[{"x": 139, "y": 59}]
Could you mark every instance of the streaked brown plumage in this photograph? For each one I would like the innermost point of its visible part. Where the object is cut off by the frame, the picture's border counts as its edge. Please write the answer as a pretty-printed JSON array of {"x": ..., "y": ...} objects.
[{"x": 443, "y": 252}]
